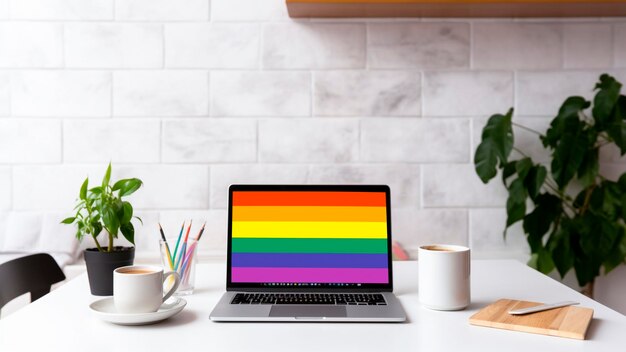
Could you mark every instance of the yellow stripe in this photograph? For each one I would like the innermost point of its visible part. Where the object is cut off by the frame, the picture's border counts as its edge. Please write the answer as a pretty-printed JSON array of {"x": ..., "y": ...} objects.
[
  {"x": 305, "y": 229},
  {"x": 306, "y": 213}
]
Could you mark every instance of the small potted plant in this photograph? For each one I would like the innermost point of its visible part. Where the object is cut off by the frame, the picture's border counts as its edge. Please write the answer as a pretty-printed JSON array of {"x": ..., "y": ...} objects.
[{"x": 102, "y": 208}]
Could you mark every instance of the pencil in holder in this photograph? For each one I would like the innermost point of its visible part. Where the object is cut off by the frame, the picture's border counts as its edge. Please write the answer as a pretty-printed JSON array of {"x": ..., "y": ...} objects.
[{"x": 183, "y": 261}]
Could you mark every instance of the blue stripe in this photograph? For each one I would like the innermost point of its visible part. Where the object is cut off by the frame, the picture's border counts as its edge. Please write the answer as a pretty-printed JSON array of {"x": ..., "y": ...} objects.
[{"x": 309, "y": 260}]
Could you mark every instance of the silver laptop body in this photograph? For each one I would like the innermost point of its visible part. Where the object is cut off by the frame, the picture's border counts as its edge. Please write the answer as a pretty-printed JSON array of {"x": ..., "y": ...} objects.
[{"x": 309, "y": 253}]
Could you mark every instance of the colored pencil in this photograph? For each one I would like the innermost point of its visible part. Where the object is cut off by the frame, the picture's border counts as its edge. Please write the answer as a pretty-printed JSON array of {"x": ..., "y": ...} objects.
[
  {"x": 188, "y": 258},
  {"x": 183, "y": 247},
  {"x": 178, "y": 242},
  {"x": 167, "y": 247}
]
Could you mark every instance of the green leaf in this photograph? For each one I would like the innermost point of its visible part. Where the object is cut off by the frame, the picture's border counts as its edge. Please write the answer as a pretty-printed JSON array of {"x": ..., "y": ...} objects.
[
  {"x": 83, "y": 189},
  {"x": 127, "y": 213},
  {"x": 523, "y": 167},
  {"x": 68, "y": 221},
  {"x": 534, "y": 180},
  {"x": 130, "y": 186},
  {"x": 589, "y": 167},
  {"x": 605, "y": 100},
  {"x": 496, "y": 145},
  {"x": 107, "y": 177},
  {"x": 538, "y": 222},
  {"x": 111, "y": 222},
  {"x": 541, "y": 261},
  {"x": 128, "y": 230},
  {"x": 568, "y": 111},
  {"x": 507, "y": 171},
  {"x": 516, "y": 203},
  {"x": 562, "y": 254},
  {"x": 617, "y": 255},
  {"x": 569, "y": 152}
]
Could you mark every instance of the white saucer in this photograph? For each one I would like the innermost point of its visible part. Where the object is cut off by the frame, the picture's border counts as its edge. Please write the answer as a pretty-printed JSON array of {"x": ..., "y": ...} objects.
[{"x": 105, "y": 310}]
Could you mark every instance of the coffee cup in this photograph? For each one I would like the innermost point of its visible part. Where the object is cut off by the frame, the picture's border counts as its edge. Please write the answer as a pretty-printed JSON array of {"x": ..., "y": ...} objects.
[
  {"x": 444, "y": 276},
  {"x": 139, "y": 288}
]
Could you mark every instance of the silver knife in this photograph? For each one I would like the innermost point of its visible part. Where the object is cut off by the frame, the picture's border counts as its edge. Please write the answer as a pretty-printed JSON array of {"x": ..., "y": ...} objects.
[{"x": 541, "y": 308}]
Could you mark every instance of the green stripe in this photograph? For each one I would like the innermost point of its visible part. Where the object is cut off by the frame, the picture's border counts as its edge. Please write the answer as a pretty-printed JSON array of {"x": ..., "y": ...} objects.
[{"x": 308, "y": 245}]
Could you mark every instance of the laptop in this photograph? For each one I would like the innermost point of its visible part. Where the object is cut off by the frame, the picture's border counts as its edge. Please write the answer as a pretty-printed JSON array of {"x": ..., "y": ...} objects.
[{"x": 309, "y": 253}]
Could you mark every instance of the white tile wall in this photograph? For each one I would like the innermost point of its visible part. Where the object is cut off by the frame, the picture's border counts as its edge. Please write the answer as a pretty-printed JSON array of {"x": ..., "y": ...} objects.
[
  {"x": 195, "y": 95},
  {"x": 517, "y": 46},
  {"x": 36, "y": 45},
  {"x": 366, "y": 93},
  {"x": 161, "y": 10},
  {"x": 418, "y": 45},
  {"x": 313, "y": 45},
  {"x": 202, "y": 45},
  {"x": 61, "y": 9},
  {"x": 160, "y": 93},
  {"x": 96, "y": 45}
]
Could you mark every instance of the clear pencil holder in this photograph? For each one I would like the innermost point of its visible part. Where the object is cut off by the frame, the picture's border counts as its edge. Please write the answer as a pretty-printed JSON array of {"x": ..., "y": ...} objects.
[{"x": 183, "y": 261}]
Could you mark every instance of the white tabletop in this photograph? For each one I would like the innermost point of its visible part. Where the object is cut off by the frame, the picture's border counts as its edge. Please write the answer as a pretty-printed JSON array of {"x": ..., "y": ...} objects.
[{"x": 61, "y": 321}]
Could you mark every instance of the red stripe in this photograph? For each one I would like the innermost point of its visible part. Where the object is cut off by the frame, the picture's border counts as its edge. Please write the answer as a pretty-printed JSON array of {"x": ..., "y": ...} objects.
[{"x": 272, "y": 198}]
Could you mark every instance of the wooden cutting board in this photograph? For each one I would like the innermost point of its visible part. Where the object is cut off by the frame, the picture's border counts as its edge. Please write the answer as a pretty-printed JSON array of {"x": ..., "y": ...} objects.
[{"x": 570, "y": 322}]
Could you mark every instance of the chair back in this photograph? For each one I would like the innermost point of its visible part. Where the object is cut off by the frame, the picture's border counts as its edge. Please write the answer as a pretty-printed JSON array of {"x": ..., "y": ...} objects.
[{"x": 33, "y": 273}]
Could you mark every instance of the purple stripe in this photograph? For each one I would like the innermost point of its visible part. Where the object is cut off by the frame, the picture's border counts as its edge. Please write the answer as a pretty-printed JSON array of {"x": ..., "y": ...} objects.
[
  {"x": 317, "y": 275},
  {"x": 309, "y": 260}
]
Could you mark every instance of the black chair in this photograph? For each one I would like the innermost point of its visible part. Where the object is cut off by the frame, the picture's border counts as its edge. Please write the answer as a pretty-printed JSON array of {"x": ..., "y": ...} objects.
[{"x": 33, "y": 273}]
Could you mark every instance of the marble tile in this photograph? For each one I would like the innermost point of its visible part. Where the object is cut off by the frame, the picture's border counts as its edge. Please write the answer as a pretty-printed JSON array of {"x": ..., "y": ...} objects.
[
  {"x": 104, "y": 45},
  {"x": 486, "y": 234},
  {"x": 418, "y": 45},
  {"x": 209, "y": 140},
  {"x": 27, "y": 141},
  {"x": 619, "y": 44},
  {"x": 541, "y": 93},
  {"x": 4, "y": 9},
  {"x": 249, "y": 10},
  {"x": 308, "y": 140},
  {"x": 302, "y": 45},
  {"x": 62, "y": 9},
  {"x": 241, "y": 93},
  {"x": 30, "y": 44},
  {"x": 477, "y": 93},
  {"x": 222, "y": 176},
  {"x": 415, "y": 140},
  {"x": 169, "y": 186},
  {"x": 587, "y": 45},
  {"x": 160, "y": 93},
  {"x": 415, "y": 228},
  {"x": 203, "y": 45},
  {"x": 366, "y": 93},
  {"x": 32, "y": 185},
  {"x": 5, "y": 97},
  {"x": 61, "y": 93},
  {"x": 6, "y": 182},
  {"x": 459, "y": 186},
  {"x": 526, "y": 141},
  {"x": 517, "y": 46},
  {"x": 136, "y": 140},
  {"x": 403, "y": 179},
  {"x": 162, "y": 10}
]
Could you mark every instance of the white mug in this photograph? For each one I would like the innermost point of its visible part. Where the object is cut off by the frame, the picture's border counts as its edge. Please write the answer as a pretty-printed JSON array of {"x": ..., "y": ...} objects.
[
  {"x": 444, "y": 276},
  {"x": 139, "y": 288}
]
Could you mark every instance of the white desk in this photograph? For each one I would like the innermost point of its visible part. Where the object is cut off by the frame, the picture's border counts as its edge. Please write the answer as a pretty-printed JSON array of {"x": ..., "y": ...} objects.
[{"x": 61, "y": 321}]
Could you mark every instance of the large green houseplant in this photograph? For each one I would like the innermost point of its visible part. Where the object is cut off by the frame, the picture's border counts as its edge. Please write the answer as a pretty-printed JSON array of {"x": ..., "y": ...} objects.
[
  {"x": 99, "y": 210},
  {"x": 577, "y": 217}
]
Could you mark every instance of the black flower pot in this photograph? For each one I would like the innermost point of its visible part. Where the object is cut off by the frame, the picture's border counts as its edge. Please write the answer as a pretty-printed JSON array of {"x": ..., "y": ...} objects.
[{"x": 100, "y": 266}]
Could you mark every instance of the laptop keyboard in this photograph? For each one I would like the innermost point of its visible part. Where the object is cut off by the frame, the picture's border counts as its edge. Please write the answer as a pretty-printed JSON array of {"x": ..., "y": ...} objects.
[{"x": 353, "y": 299}]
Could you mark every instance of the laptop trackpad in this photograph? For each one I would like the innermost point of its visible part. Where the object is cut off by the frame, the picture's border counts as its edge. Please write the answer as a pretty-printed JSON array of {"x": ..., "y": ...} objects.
[{"x": 308, "y": 311}]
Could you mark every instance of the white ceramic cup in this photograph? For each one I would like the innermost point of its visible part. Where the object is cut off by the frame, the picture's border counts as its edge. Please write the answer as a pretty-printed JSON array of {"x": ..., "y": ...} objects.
[
  {"x": 444, "y": 276},
  {"x": 139, "y": 288}
]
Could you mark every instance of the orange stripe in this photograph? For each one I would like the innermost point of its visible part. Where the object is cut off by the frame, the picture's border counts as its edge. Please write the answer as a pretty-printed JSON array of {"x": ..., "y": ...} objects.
[
  {"x": 305, "y": 213},
  {"x": 269, "y": 198}
]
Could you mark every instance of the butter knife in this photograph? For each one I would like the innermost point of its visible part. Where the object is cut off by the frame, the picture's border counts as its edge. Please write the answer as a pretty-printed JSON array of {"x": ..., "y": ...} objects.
[{"x": 541, "y": 308}]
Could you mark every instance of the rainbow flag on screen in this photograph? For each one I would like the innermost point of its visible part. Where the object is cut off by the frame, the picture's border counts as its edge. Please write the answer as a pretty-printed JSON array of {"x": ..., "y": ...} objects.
[{"x": 309, "y": 237}]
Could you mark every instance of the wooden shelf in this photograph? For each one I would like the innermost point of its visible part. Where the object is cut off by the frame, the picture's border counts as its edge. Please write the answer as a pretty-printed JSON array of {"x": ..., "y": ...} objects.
[{"x": 456, "y": 8}]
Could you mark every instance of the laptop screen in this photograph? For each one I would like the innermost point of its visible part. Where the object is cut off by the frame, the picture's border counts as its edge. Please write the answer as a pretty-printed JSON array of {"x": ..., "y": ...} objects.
[{"x": 309, "y": 237}]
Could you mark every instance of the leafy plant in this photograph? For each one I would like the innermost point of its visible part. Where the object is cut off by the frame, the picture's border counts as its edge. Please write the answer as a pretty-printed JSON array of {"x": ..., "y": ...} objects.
[
  {"x": 578, "y": 216},
  {"x": 102, "y": 208}
]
